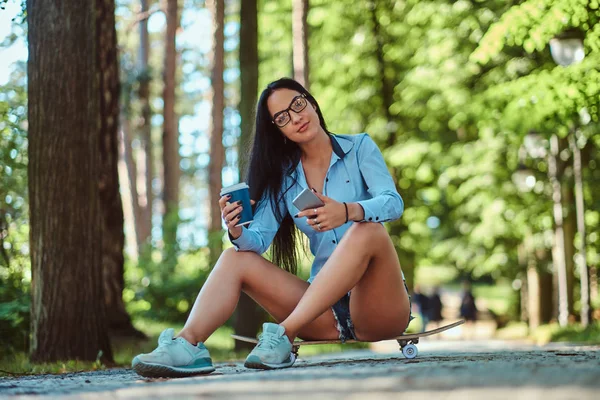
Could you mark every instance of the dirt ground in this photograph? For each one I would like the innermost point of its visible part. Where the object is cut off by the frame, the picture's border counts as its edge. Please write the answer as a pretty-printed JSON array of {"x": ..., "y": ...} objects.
[{"x": 447, "y": 369}]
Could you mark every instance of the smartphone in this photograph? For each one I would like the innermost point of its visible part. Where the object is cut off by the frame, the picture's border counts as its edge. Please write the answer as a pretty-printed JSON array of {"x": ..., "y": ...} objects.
[{"x": 307, "y": 199}]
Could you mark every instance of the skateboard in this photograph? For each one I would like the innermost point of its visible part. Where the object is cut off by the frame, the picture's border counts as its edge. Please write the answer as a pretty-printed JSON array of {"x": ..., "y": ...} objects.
[{"x": 407, "y": 342}]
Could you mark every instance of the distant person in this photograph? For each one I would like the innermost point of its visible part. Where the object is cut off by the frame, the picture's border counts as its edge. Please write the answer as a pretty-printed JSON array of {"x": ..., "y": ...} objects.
[
  {"x": 468, "y": 309},
  {"x": 421, "y": 301},
  {"x": 356, "y": 288},
  {"x": 435, "y": 307}
]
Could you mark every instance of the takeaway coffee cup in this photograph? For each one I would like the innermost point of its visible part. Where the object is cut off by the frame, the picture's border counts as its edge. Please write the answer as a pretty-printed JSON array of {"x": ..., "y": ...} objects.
[{"x": 240, "y": 192}]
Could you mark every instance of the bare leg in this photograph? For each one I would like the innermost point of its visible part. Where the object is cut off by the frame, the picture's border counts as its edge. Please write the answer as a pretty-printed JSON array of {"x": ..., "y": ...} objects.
[
  {"x": 277, "y": 291},
  {"x": 367, "y": 263}
]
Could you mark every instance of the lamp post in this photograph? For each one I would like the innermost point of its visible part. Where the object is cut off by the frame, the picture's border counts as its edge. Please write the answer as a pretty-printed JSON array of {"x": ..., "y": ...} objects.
[{"x": 567, "y": 49}]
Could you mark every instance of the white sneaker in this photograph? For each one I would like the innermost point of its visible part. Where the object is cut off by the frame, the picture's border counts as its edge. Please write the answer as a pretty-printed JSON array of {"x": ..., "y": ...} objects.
[
  {"x": 173, "y": 358},
  {"x": 273, "y": 350}
]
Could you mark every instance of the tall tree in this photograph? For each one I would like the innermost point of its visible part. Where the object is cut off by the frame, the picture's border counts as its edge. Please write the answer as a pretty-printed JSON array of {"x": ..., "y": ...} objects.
[
  {"x": 386, "y": 84},
  {"x": 217, "y": 152},
  {"x": 144, "y": 222},
  {"x": 170, "y": 133},
  {"x": 248, "y": 79},
  {"x": 555, "y": 173},
  {"x": 68, "y": 308},
  {"x": 584, "y": 274},
  {"x": 111, "y": 208},
  {"x": 300, "y": 41},
  {"x": 248, "y": 315}
]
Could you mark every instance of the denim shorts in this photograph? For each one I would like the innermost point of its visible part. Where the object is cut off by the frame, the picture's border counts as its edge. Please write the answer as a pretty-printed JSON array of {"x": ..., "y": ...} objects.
[{"x": 341, "y": 313}]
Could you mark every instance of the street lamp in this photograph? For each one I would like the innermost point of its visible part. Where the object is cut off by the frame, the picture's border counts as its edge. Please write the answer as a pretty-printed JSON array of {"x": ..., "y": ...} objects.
[{"x": 567, "y": 49}]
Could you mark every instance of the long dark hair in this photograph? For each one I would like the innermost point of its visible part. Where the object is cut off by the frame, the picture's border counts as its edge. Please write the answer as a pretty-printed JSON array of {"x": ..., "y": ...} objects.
[{"x": 271, "y": 159}]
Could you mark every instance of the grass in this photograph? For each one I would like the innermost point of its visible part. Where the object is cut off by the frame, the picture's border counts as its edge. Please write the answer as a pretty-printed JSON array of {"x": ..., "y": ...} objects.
[
  {"x": 552, "y": 333},
  {"x": 220, "y": 344}
]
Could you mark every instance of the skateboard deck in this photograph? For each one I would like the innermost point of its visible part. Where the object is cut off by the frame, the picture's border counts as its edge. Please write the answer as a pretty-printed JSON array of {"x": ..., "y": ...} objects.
[{"x": 407, "y": 342}]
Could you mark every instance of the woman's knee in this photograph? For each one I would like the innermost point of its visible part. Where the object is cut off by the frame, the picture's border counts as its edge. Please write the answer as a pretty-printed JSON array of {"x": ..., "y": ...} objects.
[
  {"x": 367, "y": 232},
  {"x": 237, "y": 260},
  {"x": 231, "y": 258}
]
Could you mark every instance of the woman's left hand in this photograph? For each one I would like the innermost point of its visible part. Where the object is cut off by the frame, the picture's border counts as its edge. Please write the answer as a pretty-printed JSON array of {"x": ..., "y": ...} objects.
[{"x": 324, "y": 218}]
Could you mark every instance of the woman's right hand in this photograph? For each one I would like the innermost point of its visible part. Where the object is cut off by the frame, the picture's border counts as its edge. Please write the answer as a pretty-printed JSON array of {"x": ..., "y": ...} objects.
[{"x": 231, "y": 212}]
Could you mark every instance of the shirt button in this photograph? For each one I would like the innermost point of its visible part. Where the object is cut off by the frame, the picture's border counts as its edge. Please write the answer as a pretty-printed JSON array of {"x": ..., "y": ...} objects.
[
  {"x": 370, "y": 218},
  {"x": 326, "y": 179},
  {"x": 333, "y": 241},
  {"x": 377, "y": 219}
]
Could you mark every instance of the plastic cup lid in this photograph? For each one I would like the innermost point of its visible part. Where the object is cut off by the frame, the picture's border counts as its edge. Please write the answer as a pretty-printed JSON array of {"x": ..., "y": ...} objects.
[{"x": 233, "y": 188}]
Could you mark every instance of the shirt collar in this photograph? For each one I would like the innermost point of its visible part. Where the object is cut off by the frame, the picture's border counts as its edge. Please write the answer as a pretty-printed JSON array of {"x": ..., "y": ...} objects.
[{"x": 341, "y": 146}]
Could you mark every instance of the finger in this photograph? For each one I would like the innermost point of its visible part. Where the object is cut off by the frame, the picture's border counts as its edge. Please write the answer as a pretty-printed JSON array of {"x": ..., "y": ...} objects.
[
  {"x": 223, "y": 200},
  {"x": 229, "y": 216},
  {"x": 231, "y": 206},
  {"x": 323, "y": 198},
  {"x": 233, "y": 222},
  {"x": 309, "y": 213}
]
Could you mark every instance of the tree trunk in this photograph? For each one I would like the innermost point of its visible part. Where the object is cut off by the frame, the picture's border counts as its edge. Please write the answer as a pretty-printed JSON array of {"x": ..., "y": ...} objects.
[
  {"x": 131, "y": 171},
  {"x": 144, "y": 75},
  {"x": 248, "y": 80},
  {"x": 217, "y": 152},
  {"x": 584, "y": 275},
  {"x": 569, "y": 227},
  {"x": 111, "y": 207},
  {"x": 131, "y": 244},
  {"x": 387, "y": 87},
  {"x": 170, "y": 136},
  {"x": 558, "y": 249},
  {"x": 546, "y": 296},
  {"x": 300, "y": 41},
  {"x": 68, "y": 308},
  {"x": 533, "y": 296},
  {"x": 248, "y": 316}
]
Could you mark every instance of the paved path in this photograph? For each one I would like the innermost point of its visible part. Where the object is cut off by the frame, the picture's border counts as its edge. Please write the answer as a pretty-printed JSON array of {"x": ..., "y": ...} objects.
[{"x": 444, "y": 369}]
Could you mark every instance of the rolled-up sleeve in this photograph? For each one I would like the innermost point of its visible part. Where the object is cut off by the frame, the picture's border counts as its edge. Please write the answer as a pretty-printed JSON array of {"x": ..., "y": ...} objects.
[
  {"x": 386, "y": 204},
  {"x": 259, "y": 234}
]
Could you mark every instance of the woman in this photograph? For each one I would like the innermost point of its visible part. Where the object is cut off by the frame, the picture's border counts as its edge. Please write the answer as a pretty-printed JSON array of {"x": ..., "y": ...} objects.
[{"x": 356, "y": 288}]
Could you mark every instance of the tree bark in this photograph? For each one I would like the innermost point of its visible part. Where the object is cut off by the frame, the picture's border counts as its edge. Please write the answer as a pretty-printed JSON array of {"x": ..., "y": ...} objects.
[
  {"x": 569, "y": 227},
  {"x": 558, "y": 249},
  {"x": 248, "y": 80},
  {"x": 68, "y": 308},
  {"x": 546, "y": 296},
  {"x": 533, "y": 296},
  {"x": 217, "y": 152},
  {"x": 387, "y": 87},
  {"x": 144, "y": 76},
  {"x": 131, "y": 171},
  {"x": 111, "y": 207},
  {"x": 248, "y": 316},
  {"x": 584, "y": 275},
  {"x": 170, "y": 133},
  {"x": 300, "y": 41}
]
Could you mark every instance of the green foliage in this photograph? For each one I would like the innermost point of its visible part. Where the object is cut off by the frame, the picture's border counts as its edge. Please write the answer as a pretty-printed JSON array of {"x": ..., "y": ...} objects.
[
  {"x": 156, "y": 289},
  {"x": 533, "y": 23},
  {"x": 14, "y": 229}
]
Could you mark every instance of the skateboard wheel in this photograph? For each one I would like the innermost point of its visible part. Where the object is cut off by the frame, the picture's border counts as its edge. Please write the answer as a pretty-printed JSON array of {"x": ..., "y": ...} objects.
[{"x": 410, "y": 351}]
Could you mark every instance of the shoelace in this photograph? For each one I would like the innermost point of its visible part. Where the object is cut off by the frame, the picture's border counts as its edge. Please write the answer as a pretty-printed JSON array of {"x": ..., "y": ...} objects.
[
  {"x": 267, "y": 341},
  {"x": 162, "y": 346}
]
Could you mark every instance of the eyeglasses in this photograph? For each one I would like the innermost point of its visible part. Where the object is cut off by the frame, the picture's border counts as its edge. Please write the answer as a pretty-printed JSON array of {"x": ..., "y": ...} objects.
[{"x": 282, "y": 118}]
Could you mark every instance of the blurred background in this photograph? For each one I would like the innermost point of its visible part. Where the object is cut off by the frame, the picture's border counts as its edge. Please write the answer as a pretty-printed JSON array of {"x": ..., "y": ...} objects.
[{"x": 485, "y": 110}]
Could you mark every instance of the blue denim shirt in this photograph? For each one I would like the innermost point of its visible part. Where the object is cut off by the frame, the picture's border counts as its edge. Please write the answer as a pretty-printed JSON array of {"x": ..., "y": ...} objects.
[{"x": 357, "y": 174}]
